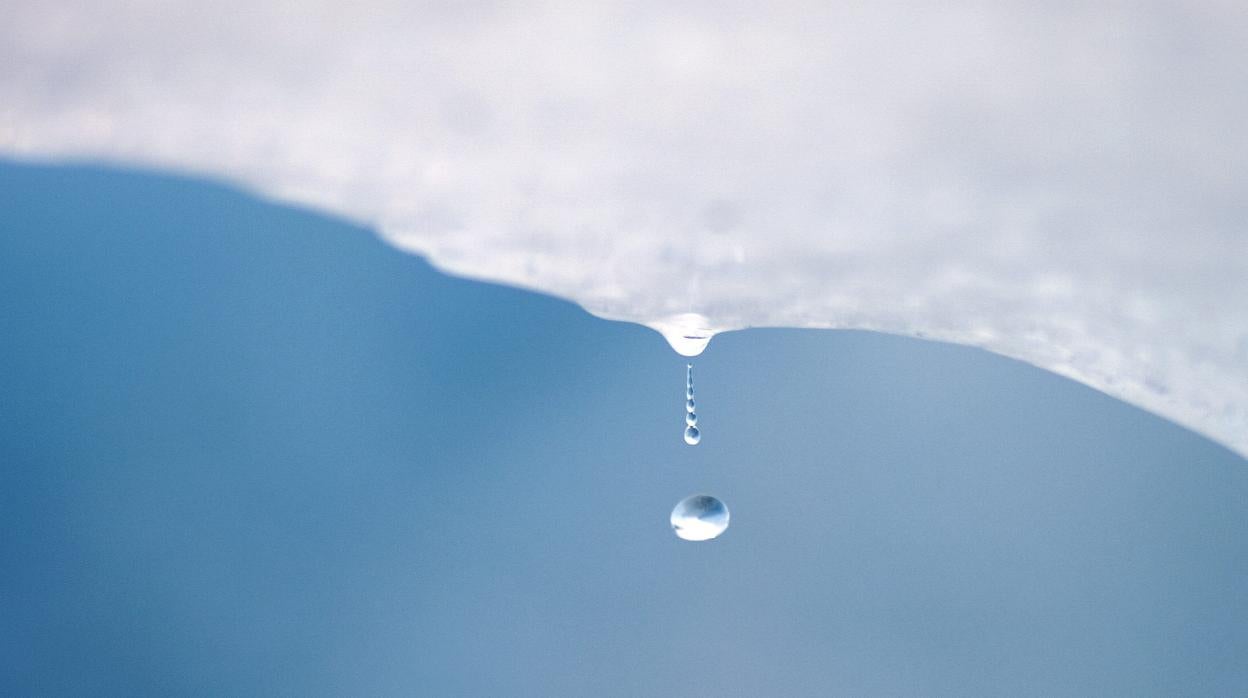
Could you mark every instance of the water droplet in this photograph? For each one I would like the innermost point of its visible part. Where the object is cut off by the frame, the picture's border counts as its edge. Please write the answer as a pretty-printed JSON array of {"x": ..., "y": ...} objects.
[
  {"x": 692, "y": 436},
  {"x": 699, "y": 517}
]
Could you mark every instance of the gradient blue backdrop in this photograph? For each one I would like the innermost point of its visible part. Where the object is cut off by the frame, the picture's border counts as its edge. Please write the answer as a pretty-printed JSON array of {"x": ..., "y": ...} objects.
[{"x": 247, "y": 450}]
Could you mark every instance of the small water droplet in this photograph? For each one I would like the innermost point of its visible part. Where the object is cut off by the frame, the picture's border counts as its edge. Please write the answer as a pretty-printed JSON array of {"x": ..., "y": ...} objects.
[
  {"x": 699, "y": 517},
  {"x": 692, "y": 436}
]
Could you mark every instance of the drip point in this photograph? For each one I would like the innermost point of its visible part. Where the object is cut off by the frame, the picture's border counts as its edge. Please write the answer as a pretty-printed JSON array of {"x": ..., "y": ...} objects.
[{"x": 688, "y": 333}]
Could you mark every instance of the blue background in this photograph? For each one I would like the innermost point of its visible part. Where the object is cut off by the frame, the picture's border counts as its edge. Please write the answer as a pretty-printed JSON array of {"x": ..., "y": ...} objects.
[{"x": 248, "y": 450}]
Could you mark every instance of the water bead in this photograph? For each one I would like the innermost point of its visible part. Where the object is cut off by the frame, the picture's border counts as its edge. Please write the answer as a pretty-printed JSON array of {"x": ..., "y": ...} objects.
[{"x": 699, "y": 517}]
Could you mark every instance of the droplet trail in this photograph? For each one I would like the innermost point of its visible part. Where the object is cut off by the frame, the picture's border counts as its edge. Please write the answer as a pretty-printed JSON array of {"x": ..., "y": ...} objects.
[{"x": 692, "y": 435}]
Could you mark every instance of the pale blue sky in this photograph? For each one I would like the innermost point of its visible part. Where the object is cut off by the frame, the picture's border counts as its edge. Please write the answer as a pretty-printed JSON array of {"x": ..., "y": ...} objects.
[{"x": 246, "y": 450}]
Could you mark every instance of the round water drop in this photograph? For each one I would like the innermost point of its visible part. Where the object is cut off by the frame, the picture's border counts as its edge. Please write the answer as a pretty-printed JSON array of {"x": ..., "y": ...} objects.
[
  {"x": 689, "y": 393},
  {"x": 692, "y": 435},
  {"x": 689, "y": 405},
  {"x": 699, "y": 517},
  {"x": 691, "y": 418}
]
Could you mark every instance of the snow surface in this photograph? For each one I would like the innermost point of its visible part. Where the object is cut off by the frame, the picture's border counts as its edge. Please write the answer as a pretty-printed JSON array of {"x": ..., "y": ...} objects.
[{"x": 1062, "y": 184}]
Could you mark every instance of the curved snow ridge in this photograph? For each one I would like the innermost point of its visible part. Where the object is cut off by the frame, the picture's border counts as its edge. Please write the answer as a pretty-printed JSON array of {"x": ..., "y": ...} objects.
[
  {"x": 1183, "y": 356},
  {"x": 1061, "y": 185}
]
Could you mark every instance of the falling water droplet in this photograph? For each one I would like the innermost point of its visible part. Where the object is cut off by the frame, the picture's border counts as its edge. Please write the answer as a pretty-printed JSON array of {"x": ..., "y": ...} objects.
[
  {"x": 699, "y": 517},
  {"x": 692, "y": 435}
]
